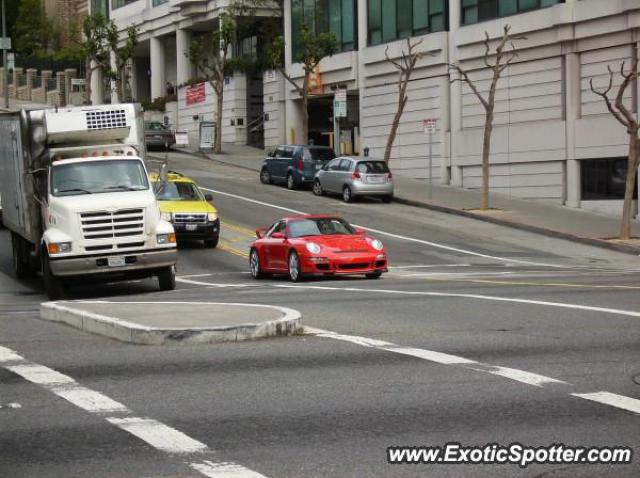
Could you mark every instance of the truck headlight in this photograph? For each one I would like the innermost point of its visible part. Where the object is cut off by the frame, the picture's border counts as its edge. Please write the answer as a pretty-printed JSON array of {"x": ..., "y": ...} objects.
[
  {"x": 58, "y": 247},
  {"x": 212, "y": 216},
  {"x": 166, "y": 238},
  {"x": 165, "y": 216}
]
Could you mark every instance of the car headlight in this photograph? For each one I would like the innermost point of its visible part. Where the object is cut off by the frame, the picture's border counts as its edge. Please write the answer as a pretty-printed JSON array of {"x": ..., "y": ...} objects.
[
  {"x": 165, "y": 216},
  {"x": 313, "y": 248},
  {"x": 166, "y": 238},
  {"x": 58, "y": 247},
  {"x": 212, "y": 216},
  {"x": 377, "y": 245}
]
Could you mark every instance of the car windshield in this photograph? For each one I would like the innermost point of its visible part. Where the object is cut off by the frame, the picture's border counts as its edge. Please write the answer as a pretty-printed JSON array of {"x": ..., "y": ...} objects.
[
  {"x": 372, "y": 167},
  {"x": 177, "y": 191},
  {"x": 154, "y": 126},
  {"x": 325, "y": 226},
  {"x": 319, "y": 154},
  {"x": 98, "y": 176}
]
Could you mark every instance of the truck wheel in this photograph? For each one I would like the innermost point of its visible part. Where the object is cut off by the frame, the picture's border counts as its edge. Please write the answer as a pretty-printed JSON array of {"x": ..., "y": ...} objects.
[
  {"x": 211, "y": 243},
  {"x": 53, "y": 286},
  {"x": 167, "y": 278},
  {"x": 21, "y": 261}
]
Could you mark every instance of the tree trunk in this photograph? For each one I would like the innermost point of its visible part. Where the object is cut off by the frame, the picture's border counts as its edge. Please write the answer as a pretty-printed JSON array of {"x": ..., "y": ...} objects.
[
  {"x": 305, "y": 118},
  {"x": 87, "y": 79},
  {"x": 402, "y": 101},
  {"x": 632, "y": 171},
  {"x": 486, "y": 149},
  {"x": 219, "y": 99}
]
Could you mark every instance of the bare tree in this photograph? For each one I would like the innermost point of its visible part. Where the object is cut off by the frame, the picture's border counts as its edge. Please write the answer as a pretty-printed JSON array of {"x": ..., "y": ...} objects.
[
  {"x": 95, "y": 48},
  {"x": 209, "y": 55},
  {"x": 123, "y": 55},
  {"x": 314, "y": 47},
  {"x": 627, "y": 119},
  {"x": 503, "y": 58},
  {"x": 405, "y": 67}
]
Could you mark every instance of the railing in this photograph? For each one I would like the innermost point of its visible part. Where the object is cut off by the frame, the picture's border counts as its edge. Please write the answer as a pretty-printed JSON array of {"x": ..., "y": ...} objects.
[
  {"x": 22, "y": 81},
  {"x": 51, "y": 84}
]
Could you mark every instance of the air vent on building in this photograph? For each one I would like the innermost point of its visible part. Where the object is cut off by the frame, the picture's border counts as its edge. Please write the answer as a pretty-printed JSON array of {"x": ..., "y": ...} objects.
[{"x": 108, "y": 119}]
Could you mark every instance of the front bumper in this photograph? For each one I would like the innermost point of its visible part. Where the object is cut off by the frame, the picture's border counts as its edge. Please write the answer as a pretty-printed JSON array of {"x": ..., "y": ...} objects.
[
  {"x": 202, "y": 231},
  {"x": 99, "y": 264},
  {"x": 349, "y": 264}
]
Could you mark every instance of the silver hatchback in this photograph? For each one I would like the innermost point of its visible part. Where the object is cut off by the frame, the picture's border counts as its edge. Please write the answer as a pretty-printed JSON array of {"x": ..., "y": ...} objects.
[{"x": 351, "y": 177}]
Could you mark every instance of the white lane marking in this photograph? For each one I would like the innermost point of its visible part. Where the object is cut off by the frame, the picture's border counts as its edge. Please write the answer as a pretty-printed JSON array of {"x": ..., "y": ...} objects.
[
  {"x": 159, "y": 435},
  {"x": 431, "y": 355},
  {"x": 40, "y": 375},
  {"x": 224, "y": 470},
  {"x": 90, "y": 400},
  {"x": 8, "y": 355},
  {"x": 612, "y": 399},
  {"x": 523, "y": 376},
  {"x": 153, "y": 432},
  {"x": 429, "y": 266},
  {"x": 196, "y": 282},
  {"x": 405, "y": 238}
]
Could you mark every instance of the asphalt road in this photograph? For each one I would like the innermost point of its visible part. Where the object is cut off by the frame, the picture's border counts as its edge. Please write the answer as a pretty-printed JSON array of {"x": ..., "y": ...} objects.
[{"x": 478, "y": 334}]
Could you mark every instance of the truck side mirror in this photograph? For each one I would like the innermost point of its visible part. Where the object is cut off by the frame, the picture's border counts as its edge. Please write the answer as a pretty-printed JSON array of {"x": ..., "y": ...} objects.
[{"x": 208, "y": 197}]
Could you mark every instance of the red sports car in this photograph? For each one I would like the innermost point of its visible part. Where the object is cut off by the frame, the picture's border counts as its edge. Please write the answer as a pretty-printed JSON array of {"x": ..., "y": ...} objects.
[{"x": 315, "y": 245}]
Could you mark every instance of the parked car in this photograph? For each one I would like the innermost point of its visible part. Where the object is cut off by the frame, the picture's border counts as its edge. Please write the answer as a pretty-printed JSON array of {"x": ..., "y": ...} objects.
[
  {"x": 294, "y": 165},
  {"x": 317, "y": 245},
  {"x": 158, "y": 135},
  {"x": 189, "y": 210},
  {"x": 351, "y": 177}
]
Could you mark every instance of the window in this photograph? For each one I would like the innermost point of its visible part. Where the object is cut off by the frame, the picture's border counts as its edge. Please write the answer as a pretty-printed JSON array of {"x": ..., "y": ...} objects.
[
  {"x": 100, "y": 6},
  {"x": 604, "y": 178},
  {"x": 474, "y": 11},
  {"x": 391, "y": 20},
  {"x": 120, "y": 3},
  {"x": 345, "y": 165},
  {"x": 337, "y": 16},
  {"x": 155, "y": 3}
]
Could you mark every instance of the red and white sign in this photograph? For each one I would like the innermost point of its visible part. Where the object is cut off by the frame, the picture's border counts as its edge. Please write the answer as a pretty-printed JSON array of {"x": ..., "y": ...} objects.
[
  {"x": 429, "y": 125},
  {"x": 196, "y": 94}
]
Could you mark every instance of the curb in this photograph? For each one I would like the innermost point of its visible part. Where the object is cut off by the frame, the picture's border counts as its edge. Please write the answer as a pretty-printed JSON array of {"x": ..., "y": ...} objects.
[
  {"x": 112, "y": 327},
  {"x": 627, "y": 249},
  {"x": 219, "y": 161},
  {"x": 602, "y": 244}
]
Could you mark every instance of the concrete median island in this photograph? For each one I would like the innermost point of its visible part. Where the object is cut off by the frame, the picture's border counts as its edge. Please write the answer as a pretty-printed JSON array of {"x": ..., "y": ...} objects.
[{"x": 157, "y": 322}]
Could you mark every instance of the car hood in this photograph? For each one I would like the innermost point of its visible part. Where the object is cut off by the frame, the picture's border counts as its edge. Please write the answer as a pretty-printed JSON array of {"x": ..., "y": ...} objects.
[
  {"x": 341, "y": 243},
  {"x": 186, "y": 206}
]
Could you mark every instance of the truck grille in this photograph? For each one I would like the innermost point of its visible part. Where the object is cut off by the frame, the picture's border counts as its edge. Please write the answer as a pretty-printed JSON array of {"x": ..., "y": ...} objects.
[
  {"x": 186, "y": 218},
  {"x": 106, "y": 225}
]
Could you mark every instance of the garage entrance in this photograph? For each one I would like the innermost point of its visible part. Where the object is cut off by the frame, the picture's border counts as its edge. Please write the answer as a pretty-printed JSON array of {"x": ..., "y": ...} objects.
[{"x": 321, "y": 123}]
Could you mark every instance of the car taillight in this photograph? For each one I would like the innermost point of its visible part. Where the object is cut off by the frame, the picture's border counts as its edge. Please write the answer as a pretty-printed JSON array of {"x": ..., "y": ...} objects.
[
  {"x": 300, "y": 165},
  {"x": 356, "y": 175},
  {"x": 389, "y": 177}
]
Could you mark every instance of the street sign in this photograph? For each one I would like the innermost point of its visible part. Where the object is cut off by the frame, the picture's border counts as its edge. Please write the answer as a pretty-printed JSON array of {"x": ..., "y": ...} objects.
[
  {"x": 340, "y": 109},
  {"x": 340, "y": 95},
  {"x": 11, "y": 61},
  {"x": 429, "y": 126},
  {"x": 5, "y": 43}
]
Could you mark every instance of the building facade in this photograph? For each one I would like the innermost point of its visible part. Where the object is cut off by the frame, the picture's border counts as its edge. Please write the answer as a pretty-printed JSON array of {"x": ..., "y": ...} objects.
[{"x": 553, "y": 139}]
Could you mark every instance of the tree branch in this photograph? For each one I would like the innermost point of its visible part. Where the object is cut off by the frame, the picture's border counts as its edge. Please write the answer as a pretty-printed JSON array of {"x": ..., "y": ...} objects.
[
  {"x": 605, "y": 96},
  {"x": 465, "y": 78}
]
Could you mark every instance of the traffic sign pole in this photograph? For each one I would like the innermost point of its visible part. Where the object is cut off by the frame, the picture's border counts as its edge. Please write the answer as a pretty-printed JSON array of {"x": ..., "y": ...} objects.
[
  {"x": 429, "y": 126},
  {"x": 4, "y": 59}
]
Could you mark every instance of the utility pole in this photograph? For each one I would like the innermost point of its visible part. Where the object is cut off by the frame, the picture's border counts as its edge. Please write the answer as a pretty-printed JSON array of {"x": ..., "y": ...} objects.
[{"x": 4, "y": 58}]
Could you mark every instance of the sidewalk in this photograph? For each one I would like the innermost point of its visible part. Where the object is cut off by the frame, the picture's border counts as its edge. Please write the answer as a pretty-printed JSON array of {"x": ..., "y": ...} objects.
[{"x": 548, "y": 219}]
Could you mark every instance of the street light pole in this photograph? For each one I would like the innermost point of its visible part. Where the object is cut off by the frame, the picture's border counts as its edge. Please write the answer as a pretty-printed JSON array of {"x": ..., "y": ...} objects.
[{"x": 4, "y": 58}]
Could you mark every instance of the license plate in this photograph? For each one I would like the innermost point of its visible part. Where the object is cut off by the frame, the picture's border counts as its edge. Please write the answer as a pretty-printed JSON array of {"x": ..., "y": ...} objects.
[
  {"x": 375, "y": 180},
  {"x": 191, "y": 227},
  {"x": 115, "y": 261}
]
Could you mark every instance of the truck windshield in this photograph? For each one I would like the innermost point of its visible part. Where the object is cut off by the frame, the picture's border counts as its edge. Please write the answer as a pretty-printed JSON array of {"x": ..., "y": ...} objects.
[{"x": 94, "y": 177}]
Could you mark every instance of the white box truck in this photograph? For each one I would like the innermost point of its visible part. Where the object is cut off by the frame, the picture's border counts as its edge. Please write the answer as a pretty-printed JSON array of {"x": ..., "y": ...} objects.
[{"x": 77, "y": 198}]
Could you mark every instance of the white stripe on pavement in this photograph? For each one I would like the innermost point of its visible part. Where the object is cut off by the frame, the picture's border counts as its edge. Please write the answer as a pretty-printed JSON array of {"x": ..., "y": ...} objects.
[
  {"x": 157, "y": 434},
  {"x": 529, "y": 378},
  {"x": 612, "y": 399}
]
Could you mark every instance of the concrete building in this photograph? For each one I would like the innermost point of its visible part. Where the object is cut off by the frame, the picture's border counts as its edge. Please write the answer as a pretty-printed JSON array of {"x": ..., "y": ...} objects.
[{"x": 553, "y": 139}]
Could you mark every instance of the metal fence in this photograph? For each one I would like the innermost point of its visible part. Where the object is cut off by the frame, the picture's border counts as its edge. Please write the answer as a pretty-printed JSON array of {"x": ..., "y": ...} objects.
[{"x": 44, "y": 64}]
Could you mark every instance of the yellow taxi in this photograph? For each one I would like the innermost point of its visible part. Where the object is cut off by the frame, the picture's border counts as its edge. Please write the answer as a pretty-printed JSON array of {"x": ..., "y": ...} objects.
[{"x": 183, "y": 204}]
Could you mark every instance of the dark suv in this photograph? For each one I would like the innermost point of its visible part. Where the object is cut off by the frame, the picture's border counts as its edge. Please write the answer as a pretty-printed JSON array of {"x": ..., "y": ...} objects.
[{"x": 294, "y": 165}]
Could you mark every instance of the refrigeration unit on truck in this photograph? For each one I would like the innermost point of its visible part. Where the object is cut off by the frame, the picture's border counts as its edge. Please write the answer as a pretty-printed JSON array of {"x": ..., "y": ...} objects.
[{"x": 77, "y": 198}]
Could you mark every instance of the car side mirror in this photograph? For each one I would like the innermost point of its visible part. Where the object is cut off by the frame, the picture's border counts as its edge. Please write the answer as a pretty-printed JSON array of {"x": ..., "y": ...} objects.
[
  {"x": 208, "y": 197},
  {"x": 270, "y": 154},
  {"x": 260, "y": 232},
  {"x": 277, "y": 235},
  {"x": 360, "y": 232}
]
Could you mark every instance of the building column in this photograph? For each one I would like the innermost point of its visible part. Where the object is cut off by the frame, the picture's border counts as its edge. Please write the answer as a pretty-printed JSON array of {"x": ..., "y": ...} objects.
[
  {"x": 572, "y": 114},
  {"x": 158, "y": 78},
  {"x": 455, "y": 97},
  {"x": 97, "y": 86},
  {"x": 362, "y": 44},
  {"x": 184, "y": 67}
]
